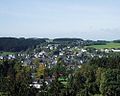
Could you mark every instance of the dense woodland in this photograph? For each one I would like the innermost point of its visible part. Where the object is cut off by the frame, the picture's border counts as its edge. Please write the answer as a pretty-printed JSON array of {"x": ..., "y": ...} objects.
[{"x": 18, "y": 44}]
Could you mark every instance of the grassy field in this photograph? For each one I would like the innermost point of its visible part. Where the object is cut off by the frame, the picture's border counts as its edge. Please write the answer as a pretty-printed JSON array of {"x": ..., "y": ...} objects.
[
  {"x": 108, "y": 45},
  {"x": 7, "y": 53}
]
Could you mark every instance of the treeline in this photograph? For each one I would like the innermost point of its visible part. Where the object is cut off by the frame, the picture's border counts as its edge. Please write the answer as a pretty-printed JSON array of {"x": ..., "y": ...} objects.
[
  {"x": 79, "y": 41},
  {"x": 116, "y": 41},
  {"x": 98, "y": 42},
  {"x": 67, "y": 39},
  {"x": 18, "y": 44}
]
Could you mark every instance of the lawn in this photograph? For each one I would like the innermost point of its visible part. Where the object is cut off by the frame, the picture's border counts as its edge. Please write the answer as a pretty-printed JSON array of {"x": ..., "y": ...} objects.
[{"x": 108, "y": 45}]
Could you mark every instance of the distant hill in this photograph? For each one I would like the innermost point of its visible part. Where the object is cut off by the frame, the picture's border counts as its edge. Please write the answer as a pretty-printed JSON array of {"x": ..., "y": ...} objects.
[
  {"x": 18, "y": 44},
  {"x": 10, "y": 44},
  {"x": 67, "y": 39}
]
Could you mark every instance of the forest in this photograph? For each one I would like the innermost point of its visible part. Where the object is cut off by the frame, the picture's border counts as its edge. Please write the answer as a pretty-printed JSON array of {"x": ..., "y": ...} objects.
[{"x": 18, "y": 44}]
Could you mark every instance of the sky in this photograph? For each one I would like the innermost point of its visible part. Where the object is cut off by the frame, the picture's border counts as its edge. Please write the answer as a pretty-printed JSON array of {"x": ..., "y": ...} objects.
[{"x": 87, "y": 19}]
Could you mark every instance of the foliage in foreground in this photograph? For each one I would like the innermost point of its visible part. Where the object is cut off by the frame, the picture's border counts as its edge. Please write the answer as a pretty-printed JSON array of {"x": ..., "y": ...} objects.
[{"x": 100, "y": 77}]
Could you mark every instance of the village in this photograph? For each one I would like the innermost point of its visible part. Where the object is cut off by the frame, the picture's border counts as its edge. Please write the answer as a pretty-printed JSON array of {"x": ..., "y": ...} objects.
[{"x": 50, "y": 55}]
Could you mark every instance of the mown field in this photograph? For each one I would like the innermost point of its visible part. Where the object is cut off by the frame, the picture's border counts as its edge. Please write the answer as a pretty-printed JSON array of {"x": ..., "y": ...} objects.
[
  {"x": 7, "y": 53},
  {"x": 108, "y": 45}
]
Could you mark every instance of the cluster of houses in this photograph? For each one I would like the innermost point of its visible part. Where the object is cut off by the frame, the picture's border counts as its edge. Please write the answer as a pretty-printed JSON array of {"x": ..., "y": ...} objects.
[{"x": 10, "y": 56}]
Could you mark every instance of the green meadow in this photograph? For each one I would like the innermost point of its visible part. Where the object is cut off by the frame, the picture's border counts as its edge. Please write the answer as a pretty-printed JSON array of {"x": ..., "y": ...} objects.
[
  {"x": 108, "y": 45},
  {"x": 7, "y": 53}
]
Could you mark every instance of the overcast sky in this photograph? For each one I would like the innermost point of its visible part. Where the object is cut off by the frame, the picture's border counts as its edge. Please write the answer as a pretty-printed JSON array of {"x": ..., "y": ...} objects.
[{"x": 87, "y": 19}]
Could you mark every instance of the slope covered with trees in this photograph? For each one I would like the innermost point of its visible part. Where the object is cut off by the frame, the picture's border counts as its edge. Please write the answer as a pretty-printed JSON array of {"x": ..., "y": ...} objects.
[{"x": 18, "y": 44}]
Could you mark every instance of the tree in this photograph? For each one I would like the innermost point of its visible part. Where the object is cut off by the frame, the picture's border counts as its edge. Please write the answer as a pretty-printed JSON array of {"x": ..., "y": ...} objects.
[
  {"x": 110, "y": 82},
  {"x": 40, "y": 71},
  {"x": 15, "y": 79},
  {"x": 56, "y": 88},
  {"x": 84, "y": 81}
]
